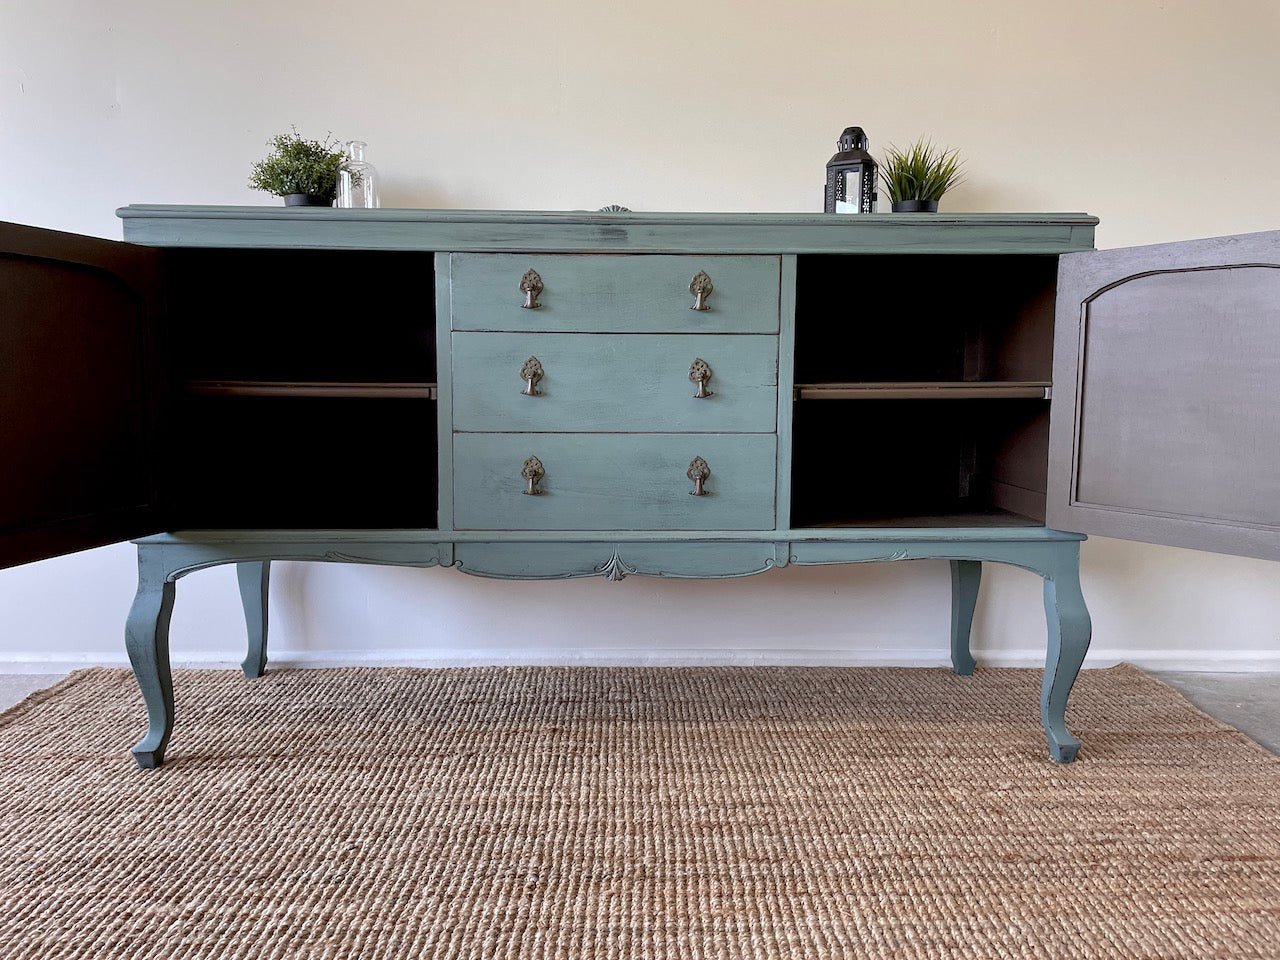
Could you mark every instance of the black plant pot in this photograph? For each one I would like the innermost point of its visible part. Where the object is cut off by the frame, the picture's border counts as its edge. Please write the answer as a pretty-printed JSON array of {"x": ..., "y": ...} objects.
[
  {"x": 914, "y": 206},
  {"x": 307, "y": 200}
]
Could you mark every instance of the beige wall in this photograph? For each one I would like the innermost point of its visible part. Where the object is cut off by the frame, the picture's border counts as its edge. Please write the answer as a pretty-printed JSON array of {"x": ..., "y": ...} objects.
[{"x": 1160, "y": 117}]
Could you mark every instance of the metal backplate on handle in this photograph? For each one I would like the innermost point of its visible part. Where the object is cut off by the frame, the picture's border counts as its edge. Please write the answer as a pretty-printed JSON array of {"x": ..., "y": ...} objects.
[
  {"x": 531, "y": 286},
  {"x": 532, "y": 473},
  {"x": 700, "y": 286},
  {"x": 700, "y": 373},
  {"x": 531, "y": 372},
  {"x": 698, "y": 472}
]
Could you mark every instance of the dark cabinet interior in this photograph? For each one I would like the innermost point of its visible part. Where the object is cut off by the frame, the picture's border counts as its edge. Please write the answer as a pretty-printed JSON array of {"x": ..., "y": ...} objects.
[
  {"x": 919, "y": 463},
  {"x": 305, "y": 315},
  {"x": 924, "y": 318},
  {"x": 922, "y": 389},
  {"x": 300, "y": 385},
  {"x": 319, "y": 462}
]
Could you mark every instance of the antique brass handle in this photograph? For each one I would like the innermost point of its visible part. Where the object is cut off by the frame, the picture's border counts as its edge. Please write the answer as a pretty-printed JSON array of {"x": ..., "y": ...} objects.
[
  {"x": 700, "y": 286},
  {"x": 531, "y": 286},
  {"x": 532, "y": 472},
  {"x": 700, "y": 373},
  {"x": 531, "y": 373},
  {"x": 698, "y": 472}
]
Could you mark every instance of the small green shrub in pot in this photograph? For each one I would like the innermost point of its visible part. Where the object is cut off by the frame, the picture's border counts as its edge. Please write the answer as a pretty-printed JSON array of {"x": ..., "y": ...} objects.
[
  {"x": 917, "y": 177},
  {"x": 304, "y": 172}
]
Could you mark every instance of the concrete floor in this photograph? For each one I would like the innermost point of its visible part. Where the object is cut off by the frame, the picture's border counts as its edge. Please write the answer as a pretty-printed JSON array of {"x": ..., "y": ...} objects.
[{"x": 1250, "y": 702}]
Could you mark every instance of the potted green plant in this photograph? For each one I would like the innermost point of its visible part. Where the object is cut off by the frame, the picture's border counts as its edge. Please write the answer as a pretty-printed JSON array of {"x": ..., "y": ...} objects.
[
  {"x": 917, "y": 177},
  {"x": 304, "y": 172}
]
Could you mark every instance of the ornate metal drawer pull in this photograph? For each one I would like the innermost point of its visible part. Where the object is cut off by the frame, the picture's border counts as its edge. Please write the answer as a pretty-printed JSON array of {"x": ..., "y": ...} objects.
[
  {"x": 700, "y": 286},
  {"x": 532, "y": 472},
  {"x": 531, "y": 373},
  {"x": 698, "y": 473},
  {"x": 531, "y": 286},
  {"x": 700, "y": 373}
]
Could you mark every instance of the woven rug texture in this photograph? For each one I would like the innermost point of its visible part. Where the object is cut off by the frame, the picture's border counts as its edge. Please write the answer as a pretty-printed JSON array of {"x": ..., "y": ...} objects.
[{"x": 656, "y": 813}]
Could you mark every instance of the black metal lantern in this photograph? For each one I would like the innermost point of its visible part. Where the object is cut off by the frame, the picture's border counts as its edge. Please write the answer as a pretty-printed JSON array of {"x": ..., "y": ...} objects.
[{"x": 851, "y": 176}]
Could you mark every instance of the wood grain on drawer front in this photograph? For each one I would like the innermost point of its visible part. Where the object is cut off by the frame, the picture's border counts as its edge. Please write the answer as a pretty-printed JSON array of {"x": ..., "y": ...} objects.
[
  {"x": 614, "y": 482},
  {"x": 607, "y": 383},
  {"x": 615, "y": 294}
]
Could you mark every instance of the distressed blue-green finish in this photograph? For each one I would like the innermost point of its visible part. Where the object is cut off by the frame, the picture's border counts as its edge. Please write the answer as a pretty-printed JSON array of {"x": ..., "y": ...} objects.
[
  {"x": 617, "y": 425},
  {"x": 613, "y": 384},
  {"x": 620, "y": 481},
  {"x": 615, "y": 294},
  {"x": 146, "y": 636},
  {"x": 786, "y": 387},
  {"x": 966, "y": 576},
  {"x": 497, "y": 231},
  {"x": 1057, "y": 561},
  {"x": 1070, "y": 630},
  {"x": 444, "y": 392},
  {"x": 618, "y": 559},
  {"x": 614, "y": 555},
  {"x": 255, "y": 581}
]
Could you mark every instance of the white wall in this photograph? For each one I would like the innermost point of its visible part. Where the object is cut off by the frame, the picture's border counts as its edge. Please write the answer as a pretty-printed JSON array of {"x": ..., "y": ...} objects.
[{"x": 1160, "y": 116}]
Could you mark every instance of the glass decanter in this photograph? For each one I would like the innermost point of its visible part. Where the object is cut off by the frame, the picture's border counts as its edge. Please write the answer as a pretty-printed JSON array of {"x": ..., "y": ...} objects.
[{"x": 357, "y": 180}]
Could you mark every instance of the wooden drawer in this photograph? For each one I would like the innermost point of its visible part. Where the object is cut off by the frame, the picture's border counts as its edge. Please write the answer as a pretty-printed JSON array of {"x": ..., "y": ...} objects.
[
  {"x": 613, "y": 482},
  {"x": 615, "y": 294},
  {"x": 610, "y": 383}
]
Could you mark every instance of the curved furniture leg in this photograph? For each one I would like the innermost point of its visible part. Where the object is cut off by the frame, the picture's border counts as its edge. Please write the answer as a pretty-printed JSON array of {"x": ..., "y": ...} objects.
[
  {"x": 1069, "y": 633},
  {"x": 147, "y": 640},
  {"x": 966, "y": 575},
  {"x": 255, "y": 578}
]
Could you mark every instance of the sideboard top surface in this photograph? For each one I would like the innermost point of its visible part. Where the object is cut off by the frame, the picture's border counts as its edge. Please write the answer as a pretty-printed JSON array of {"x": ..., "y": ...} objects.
[{"x": 581, "y": 231}]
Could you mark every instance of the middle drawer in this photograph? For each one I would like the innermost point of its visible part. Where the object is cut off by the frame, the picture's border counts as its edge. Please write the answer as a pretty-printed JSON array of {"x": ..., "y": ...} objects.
[{"x": 614, "y": 383}]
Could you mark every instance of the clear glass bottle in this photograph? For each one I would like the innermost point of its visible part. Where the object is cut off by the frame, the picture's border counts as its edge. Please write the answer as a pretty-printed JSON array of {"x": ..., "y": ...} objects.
[{"x": 357, "y": 180}]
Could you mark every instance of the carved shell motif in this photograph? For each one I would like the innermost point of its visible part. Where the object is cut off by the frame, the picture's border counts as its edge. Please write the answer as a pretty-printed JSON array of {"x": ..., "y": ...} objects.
[{"x": 616, "y": 569}]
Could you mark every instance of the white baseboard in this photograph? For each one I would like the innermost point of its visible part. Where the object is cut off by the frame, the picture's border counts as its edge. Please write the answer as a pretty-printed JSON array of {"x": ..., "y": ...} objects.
[{"x": 1217, "y": 661}]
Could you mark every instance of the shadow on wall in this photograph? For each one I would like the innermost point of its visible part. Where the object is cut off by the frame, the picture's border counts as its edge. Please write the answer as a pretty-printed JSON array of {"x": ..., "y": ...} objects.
[{"x": 896, "y": 612}]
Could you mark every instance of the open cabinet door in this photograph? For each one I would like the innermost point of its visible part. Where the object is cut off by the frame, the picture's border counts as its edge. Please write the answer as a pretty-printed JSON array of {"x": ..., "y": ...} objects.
[
  {"x": 1165, "y": 424},
  {"x": 79, "y": 392}
]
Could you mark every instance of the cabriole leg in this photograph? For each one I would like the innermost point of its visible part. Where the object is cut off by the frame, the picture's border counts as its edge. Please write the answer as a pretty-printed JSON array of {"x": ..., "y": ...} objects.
[
  {"x": 255, "y": 578},
  {"x": 147, "y": 640},
  {"x": 1069, "y": 633},
  {"x": 966, "y": 575}
]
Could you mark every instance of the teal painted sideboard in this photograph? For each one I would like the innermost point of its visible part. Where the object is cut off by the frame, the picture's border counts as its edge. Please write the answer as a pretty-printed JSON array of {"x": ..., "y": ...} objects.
[{"x": 548, "y": 395}]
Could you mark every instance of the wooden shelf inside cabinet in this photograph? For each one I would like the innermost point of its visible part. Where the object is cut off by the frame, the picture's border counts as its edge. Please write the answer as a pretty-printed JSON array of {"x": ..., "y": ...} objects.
[
  {"x": 931, "y": 390},
  {"x": 311, "y": 388},
  {"x": 970, "y": 518}
]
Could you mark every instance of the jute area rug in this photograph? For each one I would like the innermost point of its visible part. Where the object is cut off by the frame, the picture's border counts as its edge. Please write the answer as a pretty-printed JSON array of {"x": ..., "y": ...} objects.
[{"x": 673, "y": 814}]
